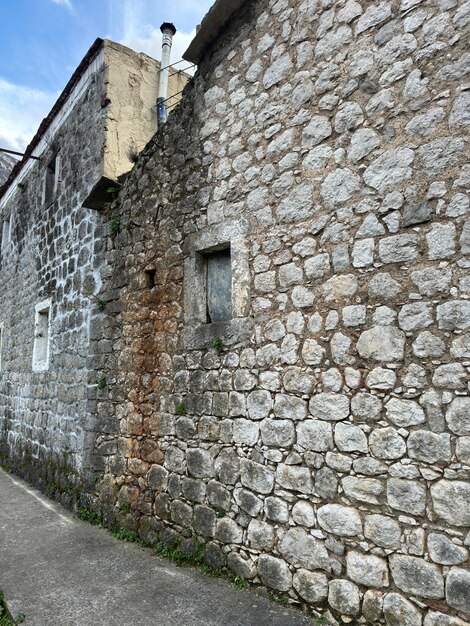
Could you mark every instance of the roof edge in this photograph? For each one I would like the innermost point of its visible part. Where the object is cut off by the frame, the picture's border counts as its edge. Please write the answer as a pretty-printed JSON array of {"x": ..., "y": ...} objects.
[
  {"x": 46, "y": 122},
  {"x": 211, "y": 26}
]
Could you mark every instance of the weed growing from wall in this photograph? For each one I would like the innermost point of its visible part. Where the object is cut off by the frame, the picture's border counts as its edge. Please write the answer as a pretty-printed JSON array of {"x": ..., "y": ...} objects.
[
  {"x": 218, "y": 345},
  {"x": 114, "y": 226},
  {"x": 181, "y": 408},
  {"x": 101, "y": 383}
]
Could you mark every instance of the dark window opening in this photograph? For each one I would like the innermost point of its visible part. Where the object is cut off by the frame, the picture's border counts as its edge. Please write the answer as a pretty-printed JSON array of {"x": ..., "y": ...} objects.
[
  {"x": 219, "y": 286},
  {"x": 150, "y": 278},
  {"x": 50, "y": 183}
]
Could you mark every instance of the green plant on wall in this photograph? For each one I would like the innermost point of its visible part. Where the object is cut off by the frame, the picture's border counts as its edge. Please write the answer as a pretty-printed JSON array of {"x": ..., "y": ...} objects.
[
  {"x": 114, "y": 226},
  {"x": 218, "y": 345},
  {"x": 101, "y": 382},
  {"x": 112, "y": 193},
  {"x": 100, "y": 304},
  {"x": 181, "y": 408}
]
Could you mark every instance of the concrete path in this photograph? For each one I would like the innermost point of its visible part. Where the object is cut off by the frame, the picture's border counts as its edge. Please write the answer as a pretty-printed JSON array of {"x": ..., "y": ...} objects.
[{"x": 60, "y": 571}]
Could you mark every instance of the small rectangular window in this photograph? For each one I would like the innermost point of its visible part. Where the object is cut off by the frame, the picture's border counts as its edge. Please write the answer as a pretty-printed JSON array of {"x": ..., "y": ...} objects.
[
  {"x": 2, "y": 333},
  {"x": 6, "y": 231},
  {"x": 218, "y": 286},
  {"x": 42, "y": 337},
  {"x": 51, "y": 180}
]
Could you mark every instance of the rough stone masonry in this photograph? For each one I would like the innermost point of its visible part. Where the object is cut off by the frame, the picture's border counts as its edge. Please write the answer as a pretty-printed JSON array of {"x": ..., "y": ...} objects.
[
  {"x": 51, "y": 244},
  {"x": 318, "y": 441}
]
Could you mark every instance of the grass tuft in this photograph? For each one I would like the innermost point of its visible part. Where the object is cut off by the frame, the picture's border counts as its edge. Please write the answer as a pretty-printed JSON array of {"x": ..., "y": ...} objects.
[
  {"x": 123, "y": 534},
  {"x": 6, "y": 618},
  {"x": 90, "y": 516}
]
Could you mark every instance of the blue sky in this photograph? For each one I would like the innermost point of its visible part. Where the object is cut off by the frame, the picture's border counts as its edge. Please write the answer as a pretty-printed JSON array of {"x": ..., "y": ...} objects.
[{"x": 43, "y": 41}]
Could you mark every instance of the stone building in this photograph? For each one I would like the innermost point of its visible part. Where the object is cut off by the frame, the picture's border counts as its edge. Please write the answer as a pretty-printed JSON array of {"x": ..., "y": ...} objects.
[
  {"x": 6, "y": 165},
  {"x": 51, "y": 239},
  {"x": 278, "y": 354}
]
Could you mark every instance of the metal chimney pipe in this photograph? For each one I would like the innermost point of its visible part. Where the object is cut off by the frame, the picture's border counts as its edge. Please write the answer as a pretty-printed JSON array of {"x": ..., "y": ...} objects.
[{"x": 168, "y": 31}]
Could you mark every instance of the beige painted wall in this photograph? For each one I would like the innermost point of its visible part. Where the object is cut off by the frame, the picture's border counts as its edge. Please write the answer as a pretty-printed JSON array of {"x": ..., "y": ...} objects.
[{"x": 132, "y": 89}]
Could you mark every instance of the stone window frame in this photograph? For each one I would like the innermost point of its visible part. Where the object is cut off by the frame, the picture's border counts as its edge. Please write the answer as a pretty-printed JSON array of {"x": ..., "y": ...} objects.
[
  {"x": 198, "y": 333},
  {"x": 42, "y": 365}
]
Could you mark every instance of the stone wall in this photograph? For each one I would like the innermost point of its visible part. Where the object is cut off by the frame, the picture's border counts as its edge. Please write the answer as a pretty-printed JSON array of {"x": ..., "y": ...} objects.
[
  {"x": 44, "y": 416},
  {"x": 51, "y": 250},
  {"x": 319, "y": 442}
]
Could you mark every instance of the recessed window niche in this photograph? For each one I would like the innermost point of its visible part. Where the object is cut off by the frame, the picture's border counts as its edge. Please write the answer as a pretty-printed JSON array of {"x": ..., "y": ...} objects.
[
  {"x": 150, "y": 278},
  {"x": 51, "y": 180},
  {"x": 41, "y": 347},
  {"x": 217, "y": 285},
  {"x": 218, "y": 291}
]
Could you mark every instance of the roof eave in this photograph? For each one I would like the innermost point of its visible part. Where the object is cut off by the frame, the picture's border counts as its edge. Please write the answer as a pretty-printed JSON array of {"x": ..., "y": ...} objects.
[
  {"x": 87, "y": 59},
  {"x": 212, "y": 25}
]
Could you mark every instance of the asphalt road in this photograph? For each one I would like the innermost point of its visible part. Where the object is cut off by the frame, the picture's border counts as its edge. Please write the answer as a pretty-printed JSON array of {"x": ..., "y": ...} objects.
[{"x": 60, "y": 571}]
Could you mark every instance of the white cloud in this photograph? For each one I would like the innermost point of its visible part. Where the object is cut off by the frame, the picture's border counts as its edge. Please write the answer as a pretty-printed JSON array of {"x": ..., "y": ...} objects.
[
  {"x": 21, "y": 112},
  {"x": 150, "y": 42},
  {"x": 23, "y": 108},
  {"x": 64, "y": 3},
  {"x": 143, "y": 36}
]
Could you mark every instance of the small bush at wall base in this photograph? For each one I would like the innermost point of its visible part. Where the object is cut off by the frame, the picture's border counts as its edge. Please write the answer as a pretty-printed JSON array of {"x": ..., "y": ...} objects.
[
  {"x": 89, "y": 516},
  {"x": 281, "y": 599},
  {"x": 180, "y": 558},
  {"x": 123, "y": 534},
  {"x": 214, "y": 572},
  {"x": 239, "y": 583}
]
